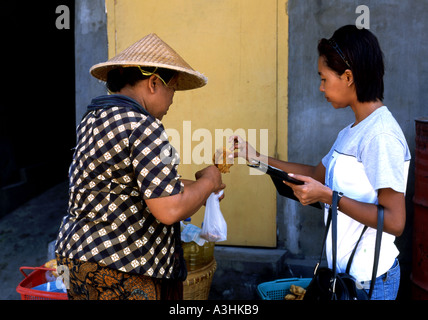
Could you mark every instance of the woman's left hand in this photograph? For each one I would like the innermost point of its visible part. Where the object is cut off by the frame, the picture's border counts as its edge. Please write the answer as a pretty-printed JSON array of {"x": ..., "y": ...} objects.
[{"x": 311, "y": 191}]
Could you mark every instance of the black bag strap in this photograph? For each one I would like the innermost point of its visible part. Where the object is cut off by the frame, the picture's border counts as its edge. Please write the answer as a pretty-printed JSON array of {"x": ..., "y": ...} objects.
[
  {"x": 332, "y": 218},
  {"x": 333, "y": 209},
  {"x": 379, "y": 231},
  {"x": 348, "y": 266},
  {"x": 380, "y": 217},
  {"x": 324, "y": 240}
]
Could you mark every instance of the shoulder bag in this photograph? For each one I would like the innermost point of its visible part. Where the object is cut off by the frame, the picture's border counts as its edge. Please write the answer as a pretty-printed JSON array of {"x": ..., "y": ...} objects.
[{"x": 327, "y": 284}]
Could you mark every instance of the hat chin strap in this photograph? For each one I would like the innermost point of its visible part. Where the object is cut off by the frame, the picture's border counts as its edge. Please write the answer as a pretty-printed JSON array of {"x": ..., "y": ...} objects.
[{"x": 148, "y": 74}]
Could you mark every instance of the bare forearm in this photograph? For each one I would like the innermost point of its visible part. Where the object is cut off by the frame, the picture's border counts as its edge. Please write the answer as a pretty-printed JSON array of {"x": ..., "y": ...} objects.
[
  {"x": 171, "y": 209},
  {"x": 366, "y": 213},
  {"x": 315, "y": 172},
  {"x": 194, "y": 197},
  {"x": 291, "y": 167}
]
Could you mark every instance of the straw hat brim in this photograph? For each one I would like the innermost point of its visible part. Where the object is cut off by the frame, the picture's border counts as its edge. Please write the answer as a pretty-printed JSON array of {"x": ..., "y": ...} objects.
[
  {"x": 187, "y": 79},
  {"x": 151, "y": 51}
]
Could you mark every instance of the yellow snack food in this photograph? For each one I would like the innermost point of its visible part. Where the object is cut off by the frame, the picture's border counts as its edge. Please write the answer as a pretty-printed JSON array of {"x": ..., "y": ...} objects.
[
  {"x": 219, "y": 159},
  {"x": 296, "y": 293},
  {"x": 52, "y": 265}
]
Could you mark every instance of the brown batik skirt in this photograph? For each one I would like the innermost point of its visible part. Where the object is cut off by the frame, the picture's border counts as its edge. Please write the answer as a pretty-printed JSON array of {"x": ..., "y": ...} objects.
[{"x": 90, "y": 281}]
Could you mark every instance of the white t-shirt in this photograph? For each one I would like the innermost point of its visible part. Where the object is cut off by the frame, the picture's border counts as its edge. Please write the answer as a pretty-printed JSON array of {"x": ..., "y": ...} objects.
[{"x": 365, "y": 158}]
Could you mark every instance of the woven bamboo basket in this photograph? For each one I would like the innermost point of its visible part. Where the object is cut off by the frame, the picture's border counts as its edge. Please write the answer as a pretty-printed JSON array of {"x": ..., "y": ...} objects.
[{"x": 198, "y": 283}]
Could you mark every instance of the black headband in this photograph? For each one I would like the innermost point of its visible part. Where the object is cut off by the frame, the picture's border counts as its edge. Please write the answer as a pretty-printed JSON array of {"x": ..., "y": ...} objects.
[{"x": 333, "y": 43}]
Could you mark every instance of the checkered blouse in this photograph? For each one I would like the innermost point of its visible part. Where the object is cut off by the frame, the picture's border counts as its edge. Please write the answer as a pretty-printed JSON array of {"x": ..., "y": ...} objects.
[{"x": 122, "y": 158}]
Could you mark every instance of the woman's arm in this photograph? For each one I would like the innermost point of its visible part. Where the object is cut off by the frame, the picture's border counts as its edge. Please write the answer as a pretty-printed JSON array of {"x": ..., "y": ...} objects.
[
  {"x": 394, "y": 211},
  {"x": 365, "y": 213},
  {"x": 242, "y": 148},
  {"x": 314, "y": 190},
  {"x": 315, "y": 172},
  {"x": 171, "y": 209}
]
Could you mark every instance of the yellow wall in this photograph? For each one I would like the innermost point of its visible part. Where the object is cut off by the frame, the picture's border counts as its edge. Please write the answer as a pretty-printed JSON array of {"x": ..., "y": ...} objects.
[{"x": 241, "y": 46}]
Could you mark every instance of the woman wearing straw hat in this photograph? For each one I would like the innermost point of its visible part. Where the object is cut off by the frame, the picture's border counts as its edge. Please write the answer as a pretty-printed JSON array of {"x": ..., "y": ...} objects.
[{"x": 121, "y": 236}]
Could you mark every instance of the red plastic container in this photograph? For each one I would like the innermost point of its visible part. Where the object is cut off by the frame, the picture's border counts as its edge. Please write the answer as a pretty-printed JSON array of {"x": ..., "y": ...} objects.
[{"x": 35, "y": 278}]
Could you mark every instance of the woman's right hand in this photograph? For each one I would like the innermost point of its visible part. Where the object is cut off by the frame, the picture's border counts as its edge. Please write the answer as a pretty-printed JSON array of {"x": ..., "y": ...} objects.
[
  {"x": 243, "y": 149},
  {"x": 212, "y": 174}
]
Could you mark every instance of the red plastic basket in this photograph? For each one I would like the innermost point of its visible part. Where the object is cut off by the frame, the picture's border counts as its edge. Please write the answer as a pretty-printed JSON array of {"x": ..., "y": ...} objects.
[{"x": 35, "y": 278}]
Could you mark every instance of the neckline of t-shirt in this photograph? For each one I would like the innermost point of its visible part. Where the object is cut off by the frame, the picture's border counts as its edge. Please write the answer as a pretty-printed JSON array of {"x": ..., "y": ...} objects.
[{"x": 370, "y": 116}]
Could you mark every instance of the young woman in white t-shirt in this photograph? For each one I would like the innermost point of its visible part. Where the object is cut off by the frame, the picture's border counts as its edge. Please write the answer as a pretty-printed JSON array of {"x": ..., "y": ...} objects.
[{"x": 368, "y": 163}]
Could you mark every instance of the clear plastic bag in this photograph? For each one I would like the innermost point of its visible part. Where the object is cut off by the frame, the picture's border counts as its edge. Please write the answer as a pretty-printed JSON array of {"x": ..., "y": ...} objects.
[{"x": 214, "y": 228}]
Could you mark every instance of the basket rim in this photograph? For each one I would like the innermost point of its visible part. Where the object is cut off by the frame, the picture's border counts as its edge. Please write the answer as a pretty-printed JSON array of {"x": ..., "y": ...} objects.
[
  {"x": 198, "y": 275},
  {"x": 279, "y": 284},
  {"x": 25, "y": 291}
]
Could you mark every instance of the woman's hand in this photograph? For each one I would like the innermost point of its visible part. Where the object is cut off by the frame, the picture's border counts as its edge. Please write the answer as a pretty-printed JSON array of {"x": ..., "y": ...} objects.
[
  {"x": 242, "y": 148},
  {"x": 365, "y": 213},
  {"x": 171, "y": 209},
  {"x": 310, "y": 192},
  {"x": 212, "y": 174}
]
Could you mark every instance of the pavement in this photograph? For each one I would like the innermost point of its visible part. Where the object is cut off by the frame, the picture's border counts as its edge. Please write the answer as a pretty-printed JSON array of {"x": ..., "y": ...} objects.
[{"x": 25, "y": 234}]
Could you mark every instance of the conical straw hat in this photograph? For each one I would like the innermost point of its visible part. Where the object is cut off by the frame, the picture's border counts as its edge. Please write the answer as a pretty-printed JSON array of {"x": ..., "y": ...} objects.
[{"x": 151, "y": 51}]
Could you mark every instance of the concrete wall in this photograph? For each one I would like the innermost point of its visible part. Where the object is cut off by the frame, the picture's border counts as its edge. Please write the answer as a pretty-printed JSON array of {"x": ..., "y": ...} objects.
[
  {"x": 90, "y": 48},
  {"x": 313, "y": 124}
]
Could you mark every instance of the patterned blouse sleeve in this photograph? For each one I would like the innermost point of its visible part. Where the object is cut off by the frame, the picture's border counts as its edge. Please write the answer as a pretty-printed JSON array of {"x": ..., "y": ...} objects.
[{"x": 154, "y": 160}]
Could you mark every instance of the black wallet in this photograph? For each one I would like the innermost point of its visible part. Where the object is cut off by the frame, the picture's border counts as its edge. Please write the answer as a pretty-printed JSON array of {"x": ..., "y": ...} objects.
[{"x": 277, "y": 176}]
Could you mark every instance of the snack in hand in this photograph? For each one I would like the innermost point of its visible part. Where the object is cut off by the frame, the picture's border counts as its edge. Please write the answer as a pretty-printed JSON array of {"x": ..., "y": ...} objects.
[{"x": 220, "y": 160}]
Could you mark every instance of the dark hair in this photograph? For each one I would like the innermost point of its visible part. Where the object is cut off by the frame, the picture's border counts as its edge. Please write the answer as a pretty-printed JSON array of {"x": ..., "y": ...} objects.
[
  {"x": 361, "y": 50},
  {"x": 121, "y": 76}
]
